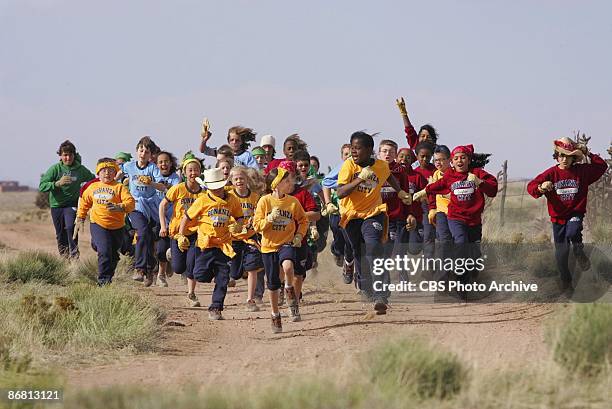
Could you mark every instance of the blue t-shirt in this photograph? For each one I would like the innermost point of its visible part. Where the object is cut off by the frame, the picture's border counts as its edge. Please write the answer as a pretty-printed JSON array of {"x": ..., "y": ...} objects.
[
  {"x": 170, "y": 180},
  {"x": 146, "y": 196}
]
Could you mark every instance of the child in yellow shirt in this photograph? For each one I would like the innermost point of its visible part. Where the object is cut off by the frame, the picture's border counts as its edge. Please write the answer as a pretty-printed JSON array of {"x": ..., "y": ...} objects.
[
  {"x": 282, "y": 223},
  {"x": 182, "y": 196},
  {"x": 363, "y": 213},
  {"x": 213, "y": 212},
  {"x": 109, "y": 202},
  {"x": 245, "y": 240}
]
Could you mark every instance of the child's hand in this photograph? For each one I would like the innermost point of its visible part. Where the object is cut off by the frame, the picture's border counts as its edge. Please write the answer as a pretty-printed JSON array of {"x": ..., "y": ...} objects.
[
  {"x": 205, "y": 131},
  {"x": 365, "y": 173},
  {"x": 145, "y": 180},
  {"x": 183, "y": 242},
  {"x": 163, "y": 231},
  {"x": 431, "y": 216},
  {"x": 405, "y": 197},
  {"x": 473, "y": 178},
  {"x": 419, "y": 196},
  {"x": 401, "y": 105},
  {"x": 274, "y": 215},
  {"x": 546, "y": 187},
  {"x": 411, "y": 223},
  {"x": 63, "y": 181},
  {"x": 79, "y": 226},
  {"x": 297, "y": 240},
  {"x": 114, "y": 207}
]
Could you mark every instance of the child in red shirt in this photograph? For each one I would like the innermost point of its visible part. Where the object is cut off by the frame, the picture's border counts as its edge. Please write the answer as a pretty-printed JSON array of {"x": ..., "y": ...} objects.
[{"x": 566, "y": 186}]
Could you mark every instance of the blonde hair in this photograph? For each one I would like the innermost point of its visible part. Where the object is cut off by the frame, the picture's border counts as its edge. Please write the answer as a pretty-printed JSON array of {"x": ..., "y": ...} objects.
[
  {"x": 229, "y": 161},
  {"x": 255, "y": 180}
]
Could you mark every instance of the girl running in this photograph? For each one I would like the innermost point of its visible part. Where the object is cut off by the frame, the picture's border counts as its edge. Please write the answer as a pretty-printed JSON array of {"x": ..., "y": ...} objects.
[
  {"x": 566, "y": 187},
  {"x": 282, "y": 223},
  {"x": 238, "y": 138},
  {"x": 179, "y": 198},
  {"x": 109, "y": 202}
]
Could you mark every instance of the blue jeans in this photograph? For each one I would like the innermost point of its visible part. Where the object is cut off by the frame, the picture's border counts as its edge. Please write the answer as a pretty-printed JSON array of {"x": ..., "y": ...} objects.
[
  {"x": 107, "y": 244},
  {"x": 184, "y": 262},
  {"x": 213, "y": 263},
  {"x": 144, "y": 243},
  {"x": 466, "y": 242},
  {"x": 340, "y": 246},
  {"x": 564, "y": 234},
  {"x": 429, "y": 234},
  {"x": 367, "y": 233},
  {"x": 444, "y": 246},
  {"x": 63, "y": 221}
]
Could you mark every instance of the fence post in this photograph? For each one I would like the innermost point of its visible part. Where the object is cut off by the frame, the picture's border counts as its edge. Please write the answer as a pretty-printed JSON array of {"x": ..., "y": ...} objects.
[{"x": 504, "y": 188}]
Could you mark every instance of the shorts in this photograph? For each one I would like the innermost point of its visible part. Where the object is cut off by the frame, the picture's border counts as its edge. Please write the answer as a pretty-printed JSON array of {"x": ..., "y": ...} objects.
[
  {"x": 303, "y": 260},
  {"x": 272, "y": 262}
]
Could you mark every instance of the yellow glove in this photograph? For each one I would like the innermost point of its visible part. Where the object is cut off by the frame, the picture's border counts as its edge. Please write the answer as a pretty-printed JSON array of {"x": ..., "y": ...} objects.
[
  {"x": 329, "y": 208},
  {"x": 401, "y": 105},
  {"x": 274, "y": 215},
  {"x": 411, "y": 223},
  {"x": 473, "y": 178},
  {"x": 63, "y": 181},
  {"x": 314, "y": 233},
  {"x": 420, "y": 196},
  {"x": 365, "y": 173},
  {"x": 236, "y": 228},
  {"x": 405, "y": 197},
  {"x": 145, "y": 180},
  {"x": 431, "y": 216},
  {"x": 183, "y": 242},
  {"x": 546, "y": 186},
  {"x": 297, "y": 240},
  {"x": 126, "y": 182},
  {"x": 79, "y": 226},
  {"x": 205, "y": 131}
]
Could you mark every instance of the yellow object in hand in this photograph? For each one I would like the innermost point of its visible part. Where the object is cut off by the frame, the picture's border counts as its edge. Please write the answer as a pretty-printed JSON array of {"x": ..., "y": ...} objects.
[
  {"x": 297, "y": 240},
  {"x": 405, "y": 197},
  {"x": 401, "y": 105},
  {"x": 419, "y": 196},
  {"x": 183, "y": 242},
  {"x": 431, "y": 216},
  {"x": 366, "y": 173}
]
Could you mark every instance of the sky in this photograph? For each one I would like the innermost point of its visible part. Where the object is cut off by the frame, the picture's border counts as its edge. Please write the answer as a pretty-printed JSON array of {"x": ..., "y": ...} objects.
[{"x": 508, "y": 77}]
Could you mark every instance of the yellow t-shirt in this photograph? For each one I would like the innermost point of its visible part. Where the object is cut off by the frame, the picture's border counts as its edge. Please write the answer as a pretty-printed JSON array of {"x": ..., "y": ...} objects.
[
  {"x": 365, "y": 200},
  {"x": 182, "y": 198},
  {"x": 248, "y": 204},
  {"x": 213, "y": 215},
  {"x": 442, "y": 201},
  {"x": 97, "y": 196},
  {"x": 274, "y": 235}
]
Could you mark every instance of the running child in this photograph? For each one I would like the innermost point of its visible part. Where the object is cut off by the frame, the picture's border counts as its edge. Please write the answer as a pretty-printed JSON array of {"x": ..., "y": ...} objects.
[
  {"x": 213, "y": 211},
  {"x": 438, "y": 205},
  {"x": 109, "y": 202},
  {"x": 63, "y": 180},
  {"x": 363, "y": 214},
  {"x": 292, "y": 144},
  {"x": 244, "y": 238},
  {"x": 427, "y": 133},
  {"x": 238, "y": 138},
  {"x": 566, "y": 187},
  {"x": 282, "y": 223},
  {"x": 261, "y": 157},
  {"x": 144, "y": 181},
  {"x": 179, "y": 198}
]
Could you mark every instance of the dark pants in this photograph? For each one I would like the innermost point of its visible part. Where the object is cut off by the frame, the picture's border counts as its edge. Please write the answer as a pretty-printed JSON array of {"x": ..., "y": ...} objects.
[
  {"x": 184, "y": 262},
  {"x": 564, "y": 234},
  {"x": 429, "y": 234},
  {"x": 213, "y": 263},
  {"x": 444, "y": 246},
  {"x": 143, "y": 258},
  {"x": 466, "y": 241},
  {"x": 340, "y": 247},
  {"x": 365, "y": 236},
  {"x": 161, "y": 246},
  {"x": 415, "y": 239},
  {"x": 107, "y": 244},
  {"x": 398, "y": 235},
  {"x": 63, "y": 221}
]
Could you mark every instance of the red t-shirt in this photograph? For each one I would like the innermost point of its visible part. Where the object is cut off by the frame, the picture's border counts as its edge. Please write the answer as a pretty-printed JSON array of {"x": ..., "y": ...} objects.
[
  {"x": 306, "y": 200},
  {"x": 427, "y": 172},
  {"x": 273, "y": 164},
  {"x": 466, "y": 200},
  {"x": 571, "y": 187},
  {"x": 410, "y": 182}
]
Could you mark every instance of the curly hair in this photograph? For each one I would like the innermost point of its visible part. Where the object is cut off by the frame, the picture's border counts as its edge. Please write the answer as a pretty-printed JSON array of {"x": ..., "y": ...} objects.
[
  {"x": 67, "y": 147},
  {"x": 299, "y": 143},
  {"x": 247, "y": 135}
]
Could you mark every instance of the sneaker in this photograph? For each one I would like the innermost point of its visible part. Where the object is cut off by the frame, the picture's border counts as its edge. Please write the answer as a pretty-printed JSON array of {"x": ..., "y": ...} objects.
[
  {"x": 214, "y": 314},
  {"x": 138, "y": 275},
  {"x": 148, "y": 280},
  {"x": 294, "y": 313},
  {"x": 380, "y": 307},
  {"x": 339, "y": 260},
  {"x": 277, "y": 325},
  {"x": 583, "y": 260},
  {"x": 161, "y": 280},
  {"x": 251, "y": 306},
  {"x": 347, "y": 271},
  {"x": 259, "y": 300},
  {"x": 193, "y": 300},
  {"x": 231, "y": 283},
  {"x": 290, "y": 295}
]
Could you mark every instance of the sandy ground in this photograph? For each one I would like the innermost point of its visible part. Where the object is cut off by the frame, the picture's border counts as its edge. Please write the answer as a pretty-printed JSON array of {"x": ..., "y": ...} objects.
[{"x": 336, "y": 329}]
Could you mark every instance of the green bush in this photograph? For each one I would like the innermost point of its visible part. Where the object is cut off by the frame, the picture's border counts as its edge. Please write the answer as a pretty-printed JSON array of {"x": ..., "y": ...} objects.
[
  {"x": 582, "y": 342},
  {"x": 415, "y": 368},
  {"x": 35, "y": 266}
]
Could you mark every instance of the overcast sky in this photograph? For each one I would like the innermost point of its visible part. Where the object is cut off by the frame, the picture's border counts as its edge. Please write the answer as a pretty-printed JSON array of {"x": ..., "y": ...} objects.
[{"x": 507, "y": 76}]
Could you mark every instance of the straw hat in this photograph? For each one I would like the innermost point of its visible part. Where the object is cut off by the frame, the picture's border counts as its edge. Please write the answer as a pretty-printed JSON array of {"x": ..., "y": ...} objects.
[
  {"x": 567, "y": 147},
  {"x": 213, "y": 178}
]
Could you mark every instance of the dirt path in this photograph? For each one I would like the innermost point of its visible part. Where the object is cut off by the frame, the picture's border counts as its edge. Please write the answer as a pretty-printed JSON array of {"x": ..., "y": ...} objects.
[{"x": 336, "y": 328}]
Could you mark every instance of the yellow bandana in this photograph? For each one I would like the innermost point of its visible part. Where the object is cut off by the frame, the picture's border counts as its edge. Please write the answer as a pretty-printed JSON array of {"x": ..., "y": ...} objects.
[
  {"x": 281, "y": 174},
  {"x": 103, "y": 165}
]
